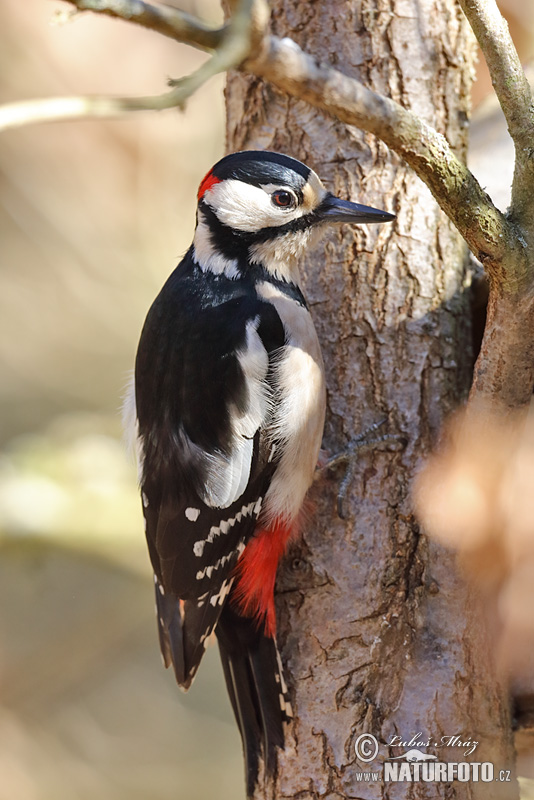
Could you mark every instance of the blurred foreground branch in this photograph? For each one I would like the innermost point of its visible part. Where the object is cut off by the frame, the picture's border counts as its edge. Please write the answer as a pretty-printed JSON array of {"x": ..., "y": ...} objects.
[{"x": 475, "y": 495}]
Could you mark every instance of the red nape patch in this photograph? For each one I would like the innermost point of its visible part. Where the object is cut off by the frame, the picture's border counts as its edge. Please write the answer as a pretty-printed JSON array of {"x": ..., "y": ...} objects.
[
  {"x": 208, "y": 181},
  {"x": 256, "y": 574}
]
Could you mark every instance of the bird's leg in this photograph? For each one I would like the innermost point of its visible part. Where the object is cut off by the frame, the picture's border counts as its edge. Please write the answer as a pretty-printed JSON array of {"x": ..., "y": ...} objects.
[{"x": 349, "y": 455}]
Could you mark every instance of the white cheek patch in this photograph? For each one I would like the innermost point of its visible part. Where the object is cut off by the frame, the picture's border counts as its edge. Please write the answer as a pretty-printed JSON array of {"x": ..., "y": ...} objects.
[{"x": 247, "y": 208}]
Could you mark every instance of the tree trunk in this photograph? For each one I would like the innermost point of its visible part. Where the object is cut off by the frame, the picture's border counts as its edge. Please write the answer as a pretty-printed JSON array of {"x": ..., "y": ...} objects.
[{"x": 377, "y": 629}]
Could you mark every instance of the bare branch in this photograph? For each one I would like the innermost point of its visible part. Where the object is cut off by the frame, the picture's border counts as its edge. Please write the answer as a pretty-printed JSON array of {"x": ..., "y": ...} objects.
[
  {"x": 233, "y": 49},
  {"x": 54, "y": 109},
  {"x": 513, "y": 91},
  {"x": 162, "y": 19},
  {"x": 457, "y": 191},
  {"x": 283, "y": 63},
  {"x": 51, "y": 109},
  {"x": 507, "y": 75}
]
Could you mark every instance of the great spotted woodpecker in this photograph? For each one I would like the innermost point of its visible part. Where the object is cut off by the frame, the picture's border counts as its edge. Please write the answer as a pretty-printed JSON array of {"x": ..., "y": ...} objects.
[{"x": 230, "y": 400}]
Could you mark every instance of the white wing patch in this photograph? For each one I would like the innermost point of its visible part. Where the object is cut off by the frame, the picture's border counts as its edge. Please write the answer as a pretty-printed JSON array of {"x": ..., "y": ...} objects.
[
  {"x": 254, "y": 362},
  {"x": 228, "y": 476}
]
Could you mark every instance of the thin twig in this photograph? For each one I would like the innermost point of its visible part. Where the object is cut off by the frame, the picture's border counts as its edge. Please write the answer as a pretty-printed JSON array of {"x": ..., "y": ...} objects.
[
  {"x": 515, "y": 97},
  {"x": 283, "y": 63},
  {"x": 168, "y": 21},
  {"x": 457, "y": 191},
  {"x": 233, "y": 49},
  {"x": 507, "y": 75}
]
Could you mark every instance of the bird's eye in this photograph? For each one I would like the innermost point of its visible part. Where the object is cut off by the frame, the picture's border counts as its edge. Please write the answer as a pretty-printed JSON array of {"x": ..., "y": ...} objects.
[{"x": 283, "y": 199}]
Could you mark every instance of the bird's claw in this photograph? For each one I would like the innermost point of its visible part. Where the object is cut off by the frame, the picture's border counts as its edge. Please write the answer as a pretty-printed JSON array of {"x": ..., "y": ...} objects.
[{"x": 349, "y": 456}]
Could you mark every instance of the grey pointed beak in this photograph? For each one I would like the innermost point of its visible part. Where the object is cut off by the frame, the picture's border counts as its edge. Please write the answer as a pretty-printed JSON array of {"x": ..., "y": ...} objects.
[{"x": 333, "y": 209}]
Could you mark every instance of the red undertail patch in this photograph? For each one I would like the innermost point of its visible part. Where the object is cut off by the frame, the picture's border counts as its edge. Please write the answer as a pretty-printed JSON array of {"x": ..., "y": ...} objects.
[
  {"x": 208, "y": 181},
  {"x": 256, "y": 574}
]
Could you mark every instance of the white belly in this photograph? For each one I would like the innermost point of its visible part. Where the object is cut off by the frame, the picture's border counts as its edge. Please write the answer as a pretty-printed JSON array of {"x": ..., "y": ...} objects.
[{"x": 299, "y": 418}]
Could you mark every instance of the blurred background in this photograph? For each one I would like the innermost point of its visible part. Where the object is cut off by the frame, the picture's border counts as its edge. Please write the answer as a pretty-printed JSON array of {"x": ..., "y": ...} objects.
[{"x": 93, "y": 216}]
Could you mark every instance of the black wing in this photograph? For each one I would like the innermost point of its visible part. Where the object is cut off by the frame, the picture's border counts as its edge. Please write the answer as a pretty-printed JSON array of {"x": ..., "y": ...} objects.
[{"x": 204, "y": 389}]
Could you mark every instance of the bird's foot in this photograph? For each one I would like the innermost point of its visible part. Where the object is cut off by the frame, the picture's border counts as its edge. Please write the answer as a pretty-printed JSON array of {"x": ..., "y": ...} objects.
[{"x": 349, "y": 456}]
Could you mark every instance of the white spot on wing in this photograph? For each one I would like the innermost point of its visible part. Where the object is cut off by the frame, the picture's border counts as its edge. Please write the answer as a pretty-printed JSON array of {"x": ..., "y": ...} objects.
[
  {"x": 205, "y": 636},
  {"x": 285, "y": 705},
  {"x": 218, "y": 599},
  {"x": 254, "y": 361},
  {"x": 207, "y": 571},
  {"x": 252, "y": 509},
  {"x": 192, "y": 514},
  {"x": 281, "y": 672}
]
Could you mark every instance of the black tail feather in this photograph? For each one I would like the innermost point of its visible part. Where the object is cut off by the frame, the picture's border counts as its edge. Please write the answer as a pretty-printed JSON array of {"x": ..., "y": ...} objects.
[
  {"x": 170, "y": 632},
  {"x": 237, "y": 675},
  {"x": 252, "y": 669},
  {"x": 184, "y": 628}
]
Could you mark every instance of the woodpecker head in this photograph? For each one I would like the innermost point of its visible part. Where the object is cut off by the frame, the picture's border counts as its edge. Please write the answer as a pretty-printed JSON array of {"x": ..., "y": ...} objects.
[{"x": 259, "y": 207}]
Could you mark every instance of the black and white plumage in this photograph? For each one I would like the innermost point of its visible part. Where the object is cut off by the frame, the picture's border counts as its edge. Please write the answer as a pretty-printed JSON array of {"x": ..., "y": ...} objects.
[{"x": 230, "y": 403}]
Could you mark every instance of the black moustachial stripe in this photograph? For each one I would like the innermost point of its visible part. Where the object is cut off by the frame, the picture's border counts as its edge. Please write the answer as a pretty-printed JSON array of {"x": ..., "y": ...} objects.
[{"x": 235, "y": 245}]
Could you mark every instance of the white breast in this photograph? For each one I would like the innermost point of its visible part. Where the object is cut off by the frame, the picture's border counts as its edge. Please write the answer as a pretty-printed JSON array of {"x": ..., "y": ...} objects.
[{"x": 299, "y": 417}]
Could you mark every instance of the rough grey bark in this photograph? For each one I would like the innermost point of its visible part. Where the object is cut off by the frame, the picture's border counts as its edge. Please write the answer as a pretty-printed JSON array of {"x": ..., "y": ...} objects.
[{"x": 378, "y": 631}]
